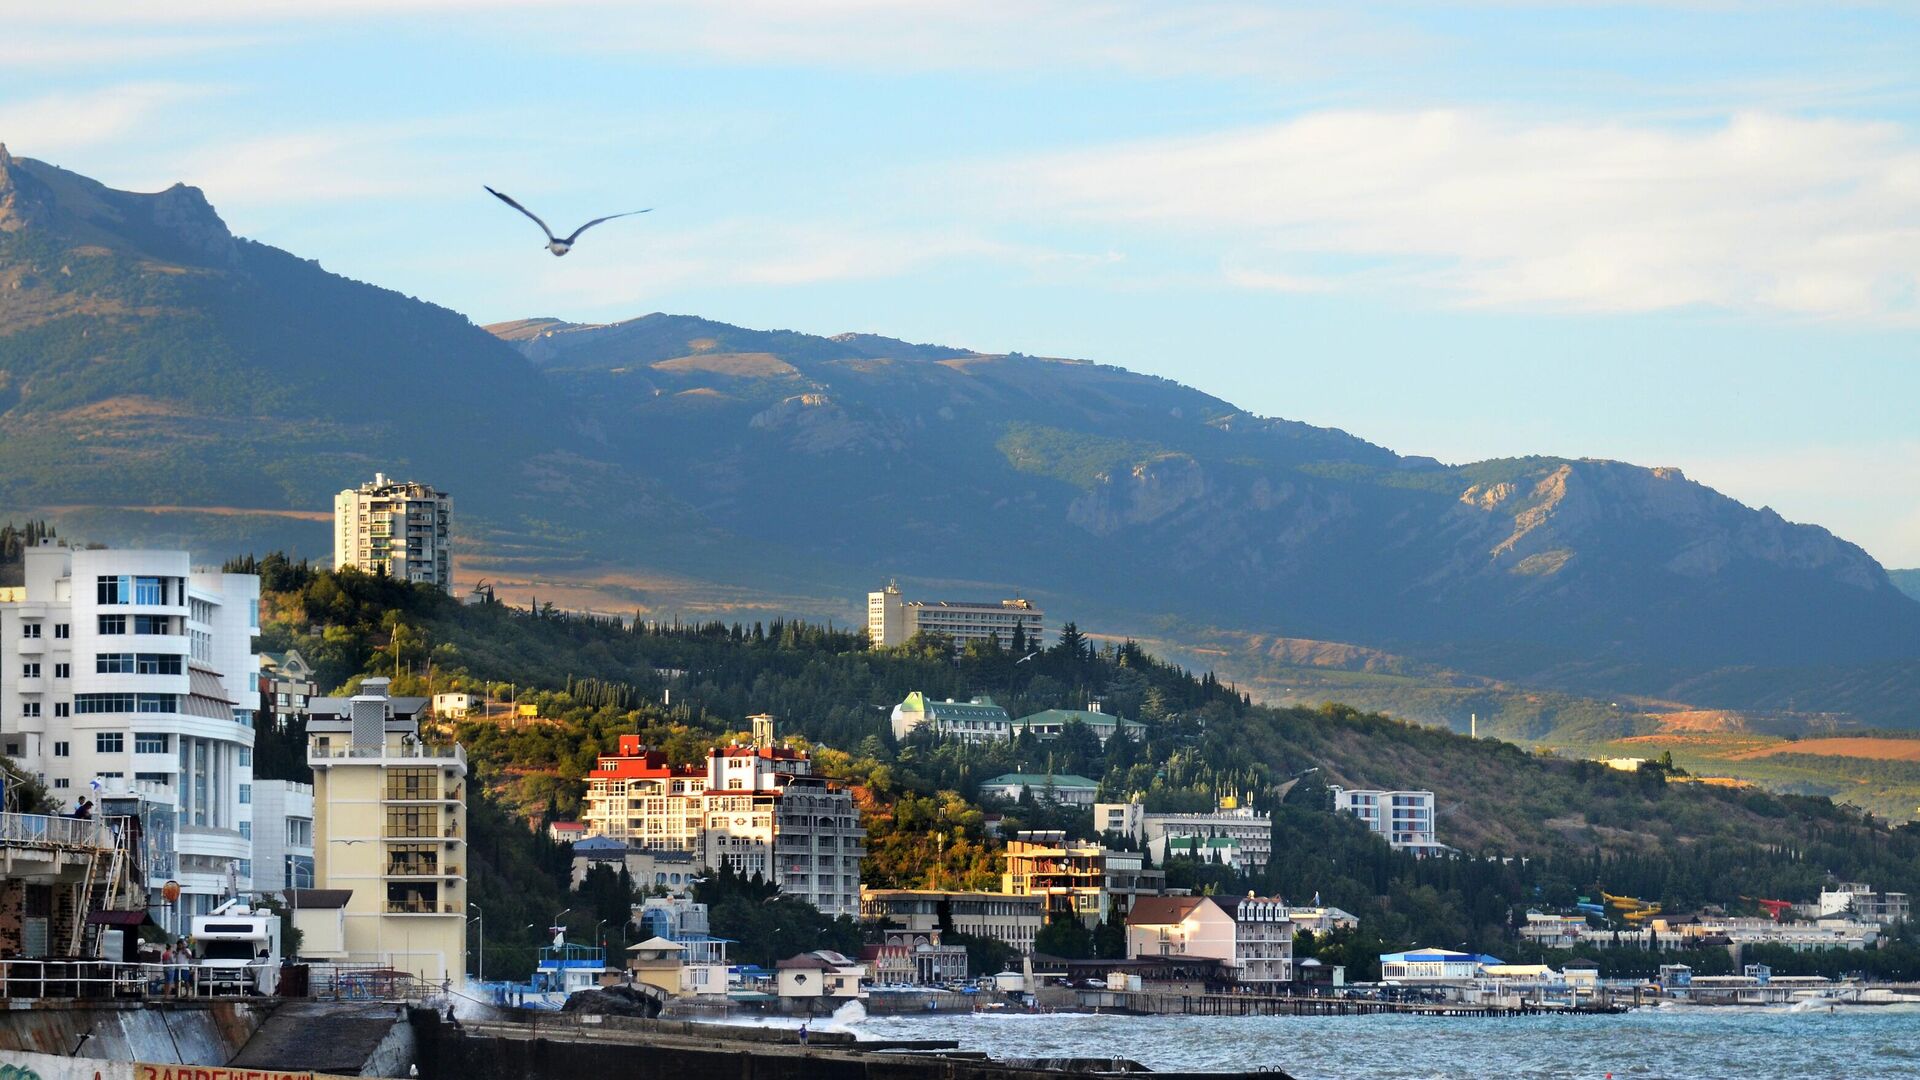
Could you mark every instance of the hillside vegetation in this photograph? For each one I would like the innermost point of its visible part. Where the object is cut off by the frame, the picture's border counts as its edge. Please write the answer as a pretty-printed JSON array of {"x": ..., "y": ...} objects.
[{"x": 1579, "y": 826}]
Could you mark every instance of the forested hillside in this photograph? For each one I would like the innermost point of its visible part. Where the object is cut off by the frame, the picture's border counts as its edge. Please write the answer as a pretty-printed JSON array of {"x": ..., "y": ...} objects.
[{"x": 1576, "y": 827}]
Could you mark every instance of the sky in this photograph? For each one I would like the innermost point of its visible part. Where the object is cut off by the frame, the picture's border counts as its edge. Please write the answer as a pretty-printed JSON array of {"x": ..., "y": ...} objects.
[{"x": 1681, "y": 234}]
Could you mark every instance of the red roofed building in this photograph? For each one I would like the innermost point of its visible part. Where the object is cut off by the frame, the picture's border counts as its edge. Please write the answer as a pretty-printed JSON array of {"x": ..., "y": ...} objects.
[{"x": 756, "y": 807}]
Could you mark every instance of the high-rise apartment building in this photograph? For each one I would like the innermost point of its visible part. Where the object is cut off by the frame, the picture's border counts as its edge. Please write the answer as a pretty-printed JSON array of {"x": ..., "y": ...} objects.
[
  {"x": 1403, "y": 818},
  {"x": 1087, "y": 880},
  {"x": 395, "y": 529},
  {"x": 129, "y": 677},
  {"x": 756, "y": 807},
  {"x": 892, "y": 619},
  {"x": 282, "y": 835},
  {"x": 390, "y": 826}
]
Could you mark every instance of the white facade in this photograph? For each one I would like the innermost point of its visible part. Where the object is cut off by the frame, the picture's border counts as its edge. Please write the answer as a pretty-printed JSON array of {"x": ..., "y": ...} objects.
[
  {"x": 1252, "y": 935},
  {"x": 395, "y": 529},
  {"x": 1881, "y": 909},
  {"x": 892, "y": 619},
  {"x": 1403, "y": 818},
  {"x": 128, "y": 672},
  {"x": 1251, "y": 829},
  {"x": 282, "y": 835}
]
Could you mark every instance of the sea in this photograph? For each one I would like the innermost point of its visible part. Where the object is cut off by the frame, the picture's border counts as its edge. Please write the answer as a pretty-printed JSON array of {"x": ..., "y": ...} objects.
[{"x": 1668, "y": 1043}]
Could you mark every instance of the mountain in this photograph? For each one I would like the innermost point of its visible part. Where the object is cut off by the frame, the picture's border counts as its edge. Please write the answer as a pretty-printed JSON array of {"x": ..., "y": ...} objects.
[
  {"x": 161, "y": 378},
  {"x": 1907, "y": 581}
]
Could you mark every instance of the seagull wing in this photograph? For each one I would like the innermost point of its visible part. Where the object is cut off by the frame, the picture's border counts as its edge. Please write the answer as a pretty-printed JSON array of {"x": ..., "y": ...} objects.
[
  {"x": 598, "y": 220},
  {"x": 508, "y": 199}
]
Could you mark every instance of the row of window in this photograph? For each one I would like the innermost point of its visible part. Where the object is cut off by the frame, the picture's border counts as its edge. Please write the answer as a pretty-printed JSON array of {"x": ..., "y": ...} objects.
[
  {"x": 142, "y": 624},
  {"x": 126, "y": 589},
  {"x": 139, "y": 664},
  {"x": 61, "y": 631},
  {"x": 123, "y": 703}
]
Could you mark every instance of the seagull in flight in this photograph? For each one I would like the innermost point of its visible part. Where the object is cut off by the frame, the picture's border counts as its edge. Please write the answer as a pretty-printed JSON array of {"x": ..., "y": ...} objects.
[{"x": 555, "y": 244}]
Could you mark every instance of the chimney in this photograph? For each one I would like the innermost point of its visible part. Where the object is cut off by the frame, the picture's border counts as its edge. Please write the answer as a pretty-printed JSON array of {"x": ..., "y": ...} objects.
[{"x": 369, "y": 709}]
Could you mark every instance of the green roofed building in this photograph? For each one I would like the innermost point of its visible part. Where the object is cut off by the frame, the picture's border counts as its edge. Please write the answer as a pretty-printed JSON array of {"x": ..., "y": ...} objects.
[
  {"x": 975, "y": 721},
  {"x": 1051, "y": 723},
  {"x": 1064, "y": 788},
  {"x": 1224, "y": 850}
]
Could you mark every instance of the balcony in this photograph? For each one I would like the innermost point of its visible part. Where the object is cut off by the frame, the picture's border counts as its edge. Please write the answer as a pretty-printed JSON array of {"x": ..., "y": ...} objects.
[
  {"x": 383, "y": 755},
  {"x": 41, "y": 830},
  {"x": 32, "y": 646}
]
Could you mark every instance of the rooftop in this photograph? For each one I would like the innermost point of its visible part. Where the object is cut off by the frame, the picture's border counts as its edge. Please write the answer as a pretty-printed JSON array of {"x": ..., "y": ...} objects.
[{"x": 1041, "y": 780}]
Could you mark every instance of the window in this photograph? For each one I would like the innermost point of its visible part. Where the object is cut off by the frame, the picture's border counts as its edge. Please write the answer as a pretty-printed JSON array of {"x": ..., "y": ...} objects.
[
  {"x": 410, "y": 859},
  {"x": 246, "y": 794},
  {"x": 61, "y": 708},
  {"x": 60, "y": 782},
  {"x": 29, "y": 708},
  {"x": 62, "y": 749},
  {"x": 30, "y": 630},
  {"x": 152, "y": 624},
  {"x": 156, "y": 703},
  {"x": 299, "y": 832},
  {"x": 157, "y": 664},
  {"x": 149, "y": 590},
  {"x": 62, "y": 631},
  {"x": 113, "y": 663},
  {"x": 413, "y": 821},
  {"x": 63, "y": 671},
  {"x": 148, "y": 742},
  {"x": 30, "y": 671},
  {"x": 246, "y": 829},
  {"x": 110, "y": 775},
  {"x": 109, "y": 742},
  {"x": 114, "y": 590},
  {"x": 164, "y": 779},
  {"x": 413, "y": 784},
  {"x": 246, "y": 755},
  {"x": 113, "y": 624}
]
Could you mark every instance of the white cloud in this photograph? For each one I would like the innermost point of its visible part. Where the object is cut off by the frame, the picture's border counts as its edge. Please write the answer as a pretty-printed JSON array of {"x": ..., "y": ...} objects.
[
  {"x": 1760, "y": 212},
  {"x": 45, "y": 126}
]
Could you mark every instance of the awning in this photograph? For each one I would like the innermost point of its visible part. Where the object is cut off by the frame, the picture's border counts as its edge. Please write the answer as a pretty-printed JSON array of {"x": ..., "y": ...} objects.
[{"x": 119, "y": 918}]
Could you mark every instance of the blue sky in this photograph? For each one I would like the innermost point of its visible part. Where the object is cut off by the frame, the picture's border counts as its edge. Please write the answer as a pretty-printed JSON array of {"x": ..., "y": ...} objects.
[{"x": 1682, "y": 234}]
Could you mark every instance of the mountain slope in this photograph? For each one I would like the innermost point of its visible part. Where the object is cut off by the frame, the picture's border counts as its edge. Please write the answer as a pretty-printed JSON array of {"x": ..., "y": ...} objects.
[
  {"x": 1907, "y": 581},
  {"x": 151, "y": 361}
]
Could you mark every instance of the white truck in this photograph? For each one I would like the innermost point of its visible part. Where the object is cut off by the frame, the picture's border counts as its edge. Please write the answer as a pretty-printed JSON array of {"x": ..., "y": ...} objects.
[{"x": 237, "y": 950}]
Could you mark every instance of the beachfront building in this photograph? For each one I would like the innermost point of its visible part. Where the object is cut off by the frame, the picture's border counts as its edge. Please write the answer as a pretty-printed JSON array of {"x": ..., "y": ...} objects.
[
  {"x": 1074, "y": 878},
  {"x": 1010, "y": 920},
  {"x": 1052, "y": 723},
  {"x": 1419, "y": 965},
  {"x": 1065, "y": 789},
  {"x": 757, "y": 807},
  {"x": 1250, "y": 829},
  {"x": 822, "y": 973},
  {"x": 672, "y": 873},
  {"x": 892, "y": 620},
  {"x": 129, "y": 676},
  {"x": 390, "y": 828},
  {"x": 395, "y": 529},
  {"x": 1863, "y": 903},
  {"x": 1252, "y": 936},
  {"x": 1403, "y": 818},
  {"x": 700, "y": 957},
  {"x": 975, "y": 721}
]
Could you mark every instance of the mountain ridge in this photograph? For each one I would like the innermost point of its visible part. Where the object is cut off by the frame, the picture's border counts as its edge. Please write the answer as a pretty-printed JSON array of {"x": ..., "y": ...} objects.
[{"x": 146, "y": 361}]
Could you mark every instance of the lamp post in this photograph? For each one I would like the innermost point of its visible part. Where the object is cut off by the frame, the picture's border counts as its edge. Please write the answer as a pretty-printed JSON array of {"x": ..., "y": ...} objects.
[{"x": 481, "y": 974}]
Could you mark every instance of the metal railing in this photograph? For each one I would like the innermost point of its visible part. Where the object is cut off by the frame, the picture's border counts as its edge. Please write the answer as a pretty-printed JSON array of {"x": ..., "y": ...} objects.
[
  {"x": 45, "y": 830},
  {"x": 107, "y": 979},
  {"x": 416, "y": 751}
]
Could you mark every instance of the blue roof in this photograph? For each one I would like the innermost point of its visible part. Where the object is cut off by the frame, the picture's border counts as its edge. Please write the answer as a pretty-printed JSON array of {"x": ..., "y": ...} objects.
[
  {"x": 598, "y": 843},
  {"x": 1438, "y": 956}
]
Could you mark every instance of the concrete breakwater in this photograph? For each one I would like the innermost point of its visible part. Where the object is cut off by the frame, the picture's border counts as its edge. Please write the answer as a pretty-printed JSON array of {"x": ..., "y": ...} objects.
[
  {"x": 181, "y": 1032},
  {"x": 550, "y": 1050}
]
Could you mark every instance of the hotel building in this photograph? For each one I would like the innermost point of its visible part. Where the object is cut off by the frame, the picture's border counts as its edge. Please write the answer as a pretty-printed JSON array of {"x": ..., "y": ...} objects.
[{"x": 395, "y": 529}]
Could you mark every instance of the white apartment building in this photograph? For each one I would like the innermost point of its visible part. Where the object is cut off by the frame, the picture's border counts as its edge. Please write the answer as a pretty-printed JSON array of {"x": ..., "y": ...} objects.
[
  {"x": 1252, "y": 935},
  {"x": 1403, "y": 818},
  {"x": 1251, "y": 830},
  {"x": 395, "y": 529},
  {"x": 975, "y": 721},
  {"x": 892, "y": 619},
  {"x": 129, "y": 675},
  {"x": 282, "y": 835},
  {"x": 757, "y": 807},
  {"x": 1859, "y": 900}
]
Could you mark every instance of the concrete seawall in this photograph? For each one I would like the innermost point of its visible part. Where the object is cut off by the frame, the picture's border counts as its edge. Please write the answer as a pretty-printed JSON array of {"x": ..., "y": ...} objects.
[{"x": 182, "y": 1033}]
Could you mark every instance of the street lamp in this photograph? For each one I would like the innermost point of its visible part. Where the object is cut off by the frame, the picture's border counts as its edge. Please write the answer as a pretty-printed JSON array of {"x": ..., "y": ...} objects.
[{"x": 481, "y": 918}]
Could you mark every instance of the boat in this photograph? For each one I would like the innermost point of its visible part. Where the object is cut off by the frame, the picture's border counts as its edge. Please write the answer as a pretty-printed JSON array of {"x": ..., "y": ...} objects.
[{"x": 563, "y": 969}]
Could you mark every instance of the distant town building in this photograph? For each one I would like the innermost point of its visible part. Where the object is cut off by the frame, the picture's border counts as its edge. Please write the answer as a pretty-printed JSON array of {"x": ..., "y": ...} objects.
[
  {"x": 915, "y": 957},
  {"x": 286, "y": 685},
  {"x": 1864, "y": 904},
  {"x": 1252, "y": 830},
  {"x": 822, "y": 973},
  {"x": 1051, "y": 724},
  {"x": 756, "y": 807},
  {"x": 390, "y": 827},
  {"x": 566, "y": 832},
  {"x": 1403, "y": 818},
  {"x": 1216, "y": 850},
  {"x": 702, "y": 957},
  {"x": 1087, "y": 880},
  {"x": 671, "y": 872},
  {"x": 1011, "y": 920},
  {"x": 1322, "y": 920},
  {"x": 1433, "y": 965},
  {"x": 129, "y": 676},
  {"x": 1063, "y": 788},
  {"x": 282, "y": 835},
  {"x": 1554, "y": 931},
  {"x": 456, "y": 706},
  {"x": 1253, "y": 936},
  {"x": 975, "y": 721},
  {"x": 892, "y": 620},
  {"x": 395, "y": 529}
]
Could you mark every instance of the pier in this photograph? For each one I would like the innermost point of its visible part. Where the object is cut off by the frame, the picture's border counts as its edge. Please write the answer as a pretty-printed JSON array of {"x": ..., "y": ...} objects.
[{"x": 1161, "y": 1004}]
